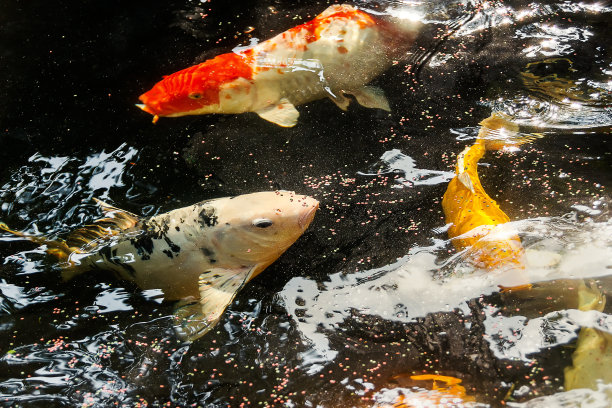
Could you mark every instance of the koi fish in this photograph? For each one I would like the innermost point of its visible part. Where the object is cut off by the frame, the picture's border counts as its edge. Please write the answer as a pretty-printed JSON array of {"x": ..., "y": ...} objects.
[
  {"x": 201, "y": 255},
  {"x": 474, "y": 217},
  {"x": 443, "y": 391},
  {"x": 593, "y": 355},
  {"x": 334, "y": 55}
]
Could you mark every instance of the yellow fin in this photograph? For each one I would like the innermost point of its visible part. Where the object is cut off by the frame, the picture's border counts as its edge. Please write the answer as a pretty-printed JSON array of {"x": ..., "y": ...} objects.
[
  {"x": 217, "y": 288},
  {"x": 115, "y": 221},
  {"x": 57, "y": 248},
  {"x": 592, "y": 358}
]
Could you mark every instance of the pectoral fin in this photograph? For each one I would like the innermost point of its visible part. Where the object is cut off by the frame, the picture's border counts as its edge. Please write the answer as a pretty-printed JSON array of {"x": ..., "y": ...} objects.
[
  {"x": 371, "y": 97},
  {"x": 121, "y": 219},
  {"x": 282, "y": 113},
  {"x": 217, "y": 288},
  {"x": 340, "y": 100}
]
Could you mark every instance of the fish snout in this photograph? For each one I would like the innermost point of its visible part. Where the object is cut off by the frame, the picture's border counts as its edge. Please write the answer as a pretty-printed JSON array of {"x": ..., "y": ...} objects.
[
  {"x": 146, "y": 108},
  {"x": 151, "y": 101},
  {"x": 307, "y": 214},
  {"x": 156, "y": 100}
]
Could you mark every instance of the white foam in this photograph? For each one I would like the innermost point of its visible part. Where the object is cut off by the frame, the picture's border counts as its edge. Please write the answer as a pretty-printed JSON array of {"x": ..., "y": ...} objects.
[{"x": 558, "y": 248}]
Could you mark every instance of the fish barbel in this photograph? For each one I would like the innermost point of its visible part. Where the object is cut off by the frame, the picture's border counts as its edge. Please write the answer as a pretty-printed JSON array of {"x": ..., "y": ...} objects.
[
  {"x": 200, "y": 255},
  {"x": 335, "y": 54}
]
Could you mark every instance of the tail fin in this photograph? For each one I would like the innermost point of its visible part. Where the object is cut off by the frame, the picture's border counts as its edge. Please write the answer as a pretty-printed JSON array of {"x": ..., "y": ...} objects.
[
  {"x": 57, "y": 248},
  {"x": 82, "y": 240},
  {"x": 89, "y": 237},
  {"x": 498, "y": 132}
]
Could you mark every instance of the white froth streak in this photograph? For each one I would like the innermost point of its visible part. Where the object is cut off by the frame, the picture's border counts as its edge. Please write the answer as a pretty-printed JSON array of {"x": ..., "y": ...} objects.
[{"x": 407, "y": 290}]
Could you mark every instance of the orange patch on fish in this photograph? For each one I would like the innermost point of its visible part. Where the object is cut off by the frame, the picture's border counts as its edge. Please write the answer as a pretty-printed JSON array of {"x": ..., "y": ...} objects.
[
  {"x": 200, "y": 84},
  {"x": 319, "y": 23}
]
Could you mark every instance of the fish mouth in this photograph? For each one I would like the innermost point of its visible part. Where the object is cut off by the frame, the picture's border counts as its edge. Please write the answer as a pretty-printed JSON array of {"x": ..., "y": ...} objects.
[
  {"x": 307, "y": 216},
  {"x": 146, "y": 108},
  {"x": 149, "y": 110}
]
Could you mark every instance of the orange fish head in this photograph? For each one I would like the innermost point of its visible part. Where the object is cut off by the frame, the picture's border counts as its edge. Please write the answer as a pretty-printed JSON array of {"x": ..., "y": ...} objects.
[{"x": 195, "y": 90}]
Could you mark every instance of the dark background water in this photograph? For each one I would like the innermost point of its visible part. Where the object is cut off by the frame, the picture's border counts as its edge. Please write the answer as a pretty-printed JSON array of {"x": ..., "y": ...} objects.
[{"x": 71, "y": 73}]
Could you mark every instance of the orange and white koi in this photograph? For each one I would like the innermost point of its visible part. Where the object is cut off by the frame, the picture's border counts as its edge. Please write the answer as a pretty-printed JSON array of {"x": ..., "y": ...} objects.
[{"x": 334, "y": 55}]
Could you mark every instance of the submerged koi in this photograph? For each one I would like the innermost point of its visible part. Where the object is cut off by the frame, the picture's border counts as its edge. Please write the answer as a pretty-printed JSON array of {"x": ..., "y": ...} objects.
[
  {"x": 334, "y": 55},
  {"x": 201, "y": 255},
  {"x": 444, "y": 391}
]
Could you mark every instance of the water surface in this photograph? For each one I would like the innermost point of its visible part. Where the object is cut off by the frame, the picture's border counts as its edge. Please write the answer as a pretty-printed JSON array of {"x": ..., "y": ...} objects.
[{"x": 374, "y": 291}]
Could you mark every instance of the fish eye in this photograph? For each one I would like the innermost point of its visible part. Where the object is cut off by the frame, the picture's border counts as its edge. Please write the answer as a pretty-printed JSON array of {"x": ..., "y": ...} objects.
[
  {"x": 195, "y": 95},
  {"x": 262, "y": 223}
]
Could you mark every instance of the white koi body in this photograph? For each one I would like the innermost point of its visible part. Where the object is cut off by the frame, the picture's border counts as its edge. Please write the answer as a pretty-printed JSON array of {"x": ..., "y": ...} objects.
[{"x": 201, "y": 255}]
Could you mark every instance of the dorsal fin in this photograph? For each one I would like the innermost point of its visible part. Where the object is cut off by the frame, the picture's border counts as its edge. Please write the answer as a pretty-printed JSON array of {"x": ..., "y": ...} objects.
[
  {"x": 114, "y": 222},
  {"x": 120, "y": 218}
]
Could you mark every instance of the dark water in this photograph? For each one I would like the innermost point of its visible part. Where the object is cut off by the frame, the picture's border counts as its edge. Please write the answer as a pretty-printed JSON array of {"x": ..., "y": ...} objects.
[{"x": 337, "y": 317}]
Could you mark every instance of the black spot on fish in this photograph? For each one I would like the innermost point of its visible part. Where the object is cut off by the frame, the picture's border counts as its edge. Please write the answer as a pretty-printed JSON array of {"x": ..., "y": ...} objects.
[
  {"x": 216, "y": 276},
  {"x": 168, "y": 253},
  {"x": 207, "y": 251},
  {"x": 144, "y": 245},
  {"x": 208, "y": 217},
  {"x": 177, "y": 228},
  {"x": 175, "y": 248},
  {"x": 111, "y": 257}
]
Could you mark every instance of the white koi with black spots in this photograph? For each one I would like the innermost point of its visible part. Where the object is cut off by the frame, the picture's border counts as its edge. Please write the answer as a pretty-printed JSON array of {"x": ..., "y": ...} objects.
[{"x": 201, "y": 255}]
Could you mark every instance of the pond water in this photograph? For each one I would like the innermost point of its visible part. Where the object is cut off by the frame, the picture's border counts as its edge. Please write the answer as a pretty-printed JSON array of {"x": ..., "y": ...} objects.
[{"x": 374, "y": 293}]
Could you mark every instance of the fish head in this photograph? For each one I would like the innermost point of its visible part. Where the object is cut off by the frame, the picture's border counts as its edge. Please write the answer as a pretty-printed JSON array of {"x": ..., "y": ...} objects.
[
  {"x": 218, "y": 85},
  {"x": 257, "y": 228}
]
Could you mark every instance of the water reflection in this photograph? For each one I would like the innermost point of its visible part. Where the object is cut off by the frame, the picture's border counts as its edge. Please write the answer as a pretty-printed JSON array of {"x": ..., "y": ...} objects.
[
  {"x": 48, "y": 191},
  {"x": 426, "y": 281},
  {"x": 395, "y": 162},
  {"x": 557, "y": 95}
]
